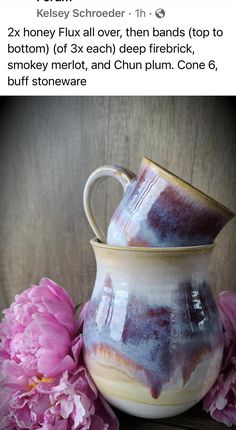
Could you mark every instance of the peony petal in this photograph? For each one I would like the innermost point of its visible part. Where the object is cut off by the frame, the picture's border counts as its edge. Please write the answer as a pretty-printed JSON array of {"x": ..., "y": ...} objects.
[
  {"x": 13, "y": 373},
  {"x": 84, "y": 383},
  {"x": 49, "y": 326},
  {"x": 79, "y": 411},
  {"x": 61, "y": 312},
  {"x": 221, "y": 417},
  {"x": 50, "y": 364},
  {"x": 66, "y": 407},
  {"x": 82, "y": 315},
  {"x": 76, "y": 348},
  {"x": 61, "y": 425},
  {"x": 97, "y": 423},
  {"x": 221, "y": 402},
  {"x": 23, "y": 419},
  {"x": 107, "y": 414},
  {"x": 57, "y": 290}
]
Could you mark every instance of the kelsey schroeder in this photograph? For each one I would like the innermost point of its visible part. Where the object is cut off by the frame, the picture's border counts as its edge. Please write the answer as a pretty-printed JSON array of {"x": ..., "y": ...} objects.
[{"x": 76, "y": 13}]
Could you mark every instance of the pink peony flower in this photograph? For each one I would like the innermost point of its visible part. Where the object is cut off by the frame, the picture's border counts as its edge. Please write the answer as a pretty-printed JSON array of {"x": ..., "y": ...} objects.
[
  {"x": 37, "y": 330},
  {"x": 220, "y": 401},
  {"x": 43, "y": 381}
]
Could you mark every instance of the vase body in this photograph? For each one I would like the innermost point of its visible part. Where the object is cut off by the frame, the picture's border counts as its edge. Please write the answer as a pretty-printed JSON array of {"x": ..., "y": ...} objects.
[{"x": 153, "y": 342}]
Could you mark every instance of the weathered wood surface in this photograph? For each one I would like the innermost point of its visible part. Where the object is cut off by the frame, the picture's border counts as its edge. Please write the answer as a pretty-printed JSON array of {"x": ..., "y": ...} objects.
[
  {"x": 49, "y": 146},
  {"x": 194, "y": 419}
]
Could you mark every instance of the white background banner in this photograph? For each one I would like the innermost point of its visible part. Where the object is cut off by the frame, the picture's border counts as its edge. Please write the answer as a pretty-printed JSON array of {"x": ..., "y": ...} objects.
[{"x": 168, "y": 47}]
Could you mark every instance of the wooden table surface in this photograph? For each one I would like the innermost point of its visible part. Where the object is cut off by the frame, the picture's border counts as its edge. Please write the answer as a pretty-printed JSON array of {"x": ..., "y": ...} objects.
[{"x": 194, "y": 419}]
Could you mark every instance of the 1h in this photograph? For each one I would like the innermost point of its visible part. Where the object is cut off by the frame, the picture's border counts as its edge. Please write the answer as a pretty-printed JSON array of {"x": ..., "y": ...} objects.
[{"x": 140, "y": 13}]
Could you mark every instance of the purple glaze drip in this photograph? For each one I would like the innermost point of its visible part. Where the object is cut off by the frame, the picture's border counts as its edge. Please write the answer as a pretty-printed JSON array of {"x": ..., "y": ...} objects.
[{"x": 153, "y": 340}]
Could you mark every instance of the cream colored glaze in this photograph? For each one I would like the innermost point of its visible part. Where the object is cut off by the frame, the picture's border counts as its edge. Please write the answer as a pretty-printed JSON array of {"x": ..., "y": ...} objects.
[
  {"x": 147, "y": 411},
  {"x": 117, "y": 383}
]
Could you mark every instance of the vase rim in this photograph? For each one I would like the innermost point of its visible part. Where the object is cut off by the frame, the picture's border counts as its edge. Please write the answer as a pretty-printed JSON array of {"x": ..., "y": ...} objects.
[{"x": 95, "y": 243}]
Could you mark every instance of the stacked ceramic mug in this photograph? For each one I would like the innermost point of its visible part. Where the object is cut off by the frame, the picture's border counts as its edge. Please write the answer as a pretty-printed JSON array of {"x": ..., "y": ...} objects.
[{"x": 152, "y": 336}]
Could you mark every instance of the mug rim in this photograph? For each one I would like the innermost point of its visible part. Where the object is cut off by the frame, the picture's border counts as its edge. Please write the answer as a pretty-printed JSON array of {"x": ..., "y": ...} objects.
[
  {"x": 95, "y": 243},
  {"x": 191, "y": 188}
]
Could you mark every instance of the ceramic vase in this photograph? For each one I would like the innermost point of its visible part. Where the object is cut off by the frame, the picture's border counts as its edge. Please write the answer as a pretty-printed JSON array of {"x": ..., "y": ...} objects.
[{"x": 152, "y": 337}]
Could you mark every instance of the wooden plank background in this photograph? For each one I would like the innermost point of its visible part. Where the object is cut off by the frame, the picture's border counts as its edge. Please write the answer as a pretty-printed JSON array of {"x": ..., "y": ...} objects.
[{"x": 50, "y": 145}]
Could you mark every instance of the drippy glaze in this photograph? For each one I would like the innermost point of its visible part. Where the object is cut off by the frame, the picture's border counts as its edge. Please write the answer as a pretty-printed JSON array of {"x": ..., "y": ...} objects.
[{"x": 148, "y": 342}]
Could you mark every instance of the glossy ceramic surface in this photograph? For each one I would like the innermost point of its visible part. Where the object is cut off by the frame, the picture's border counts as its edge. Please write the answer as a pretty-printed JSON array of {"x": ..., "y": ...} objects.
[
  {"x": 159, "y": 209},
  {"x": 152, "y": 338}
]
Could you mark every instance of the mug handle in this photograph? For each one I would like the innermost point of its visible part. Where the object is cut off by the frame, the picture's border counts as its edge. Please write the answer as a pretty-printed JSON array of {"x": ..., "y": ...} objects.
[{"x": 124, "y": 176}]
